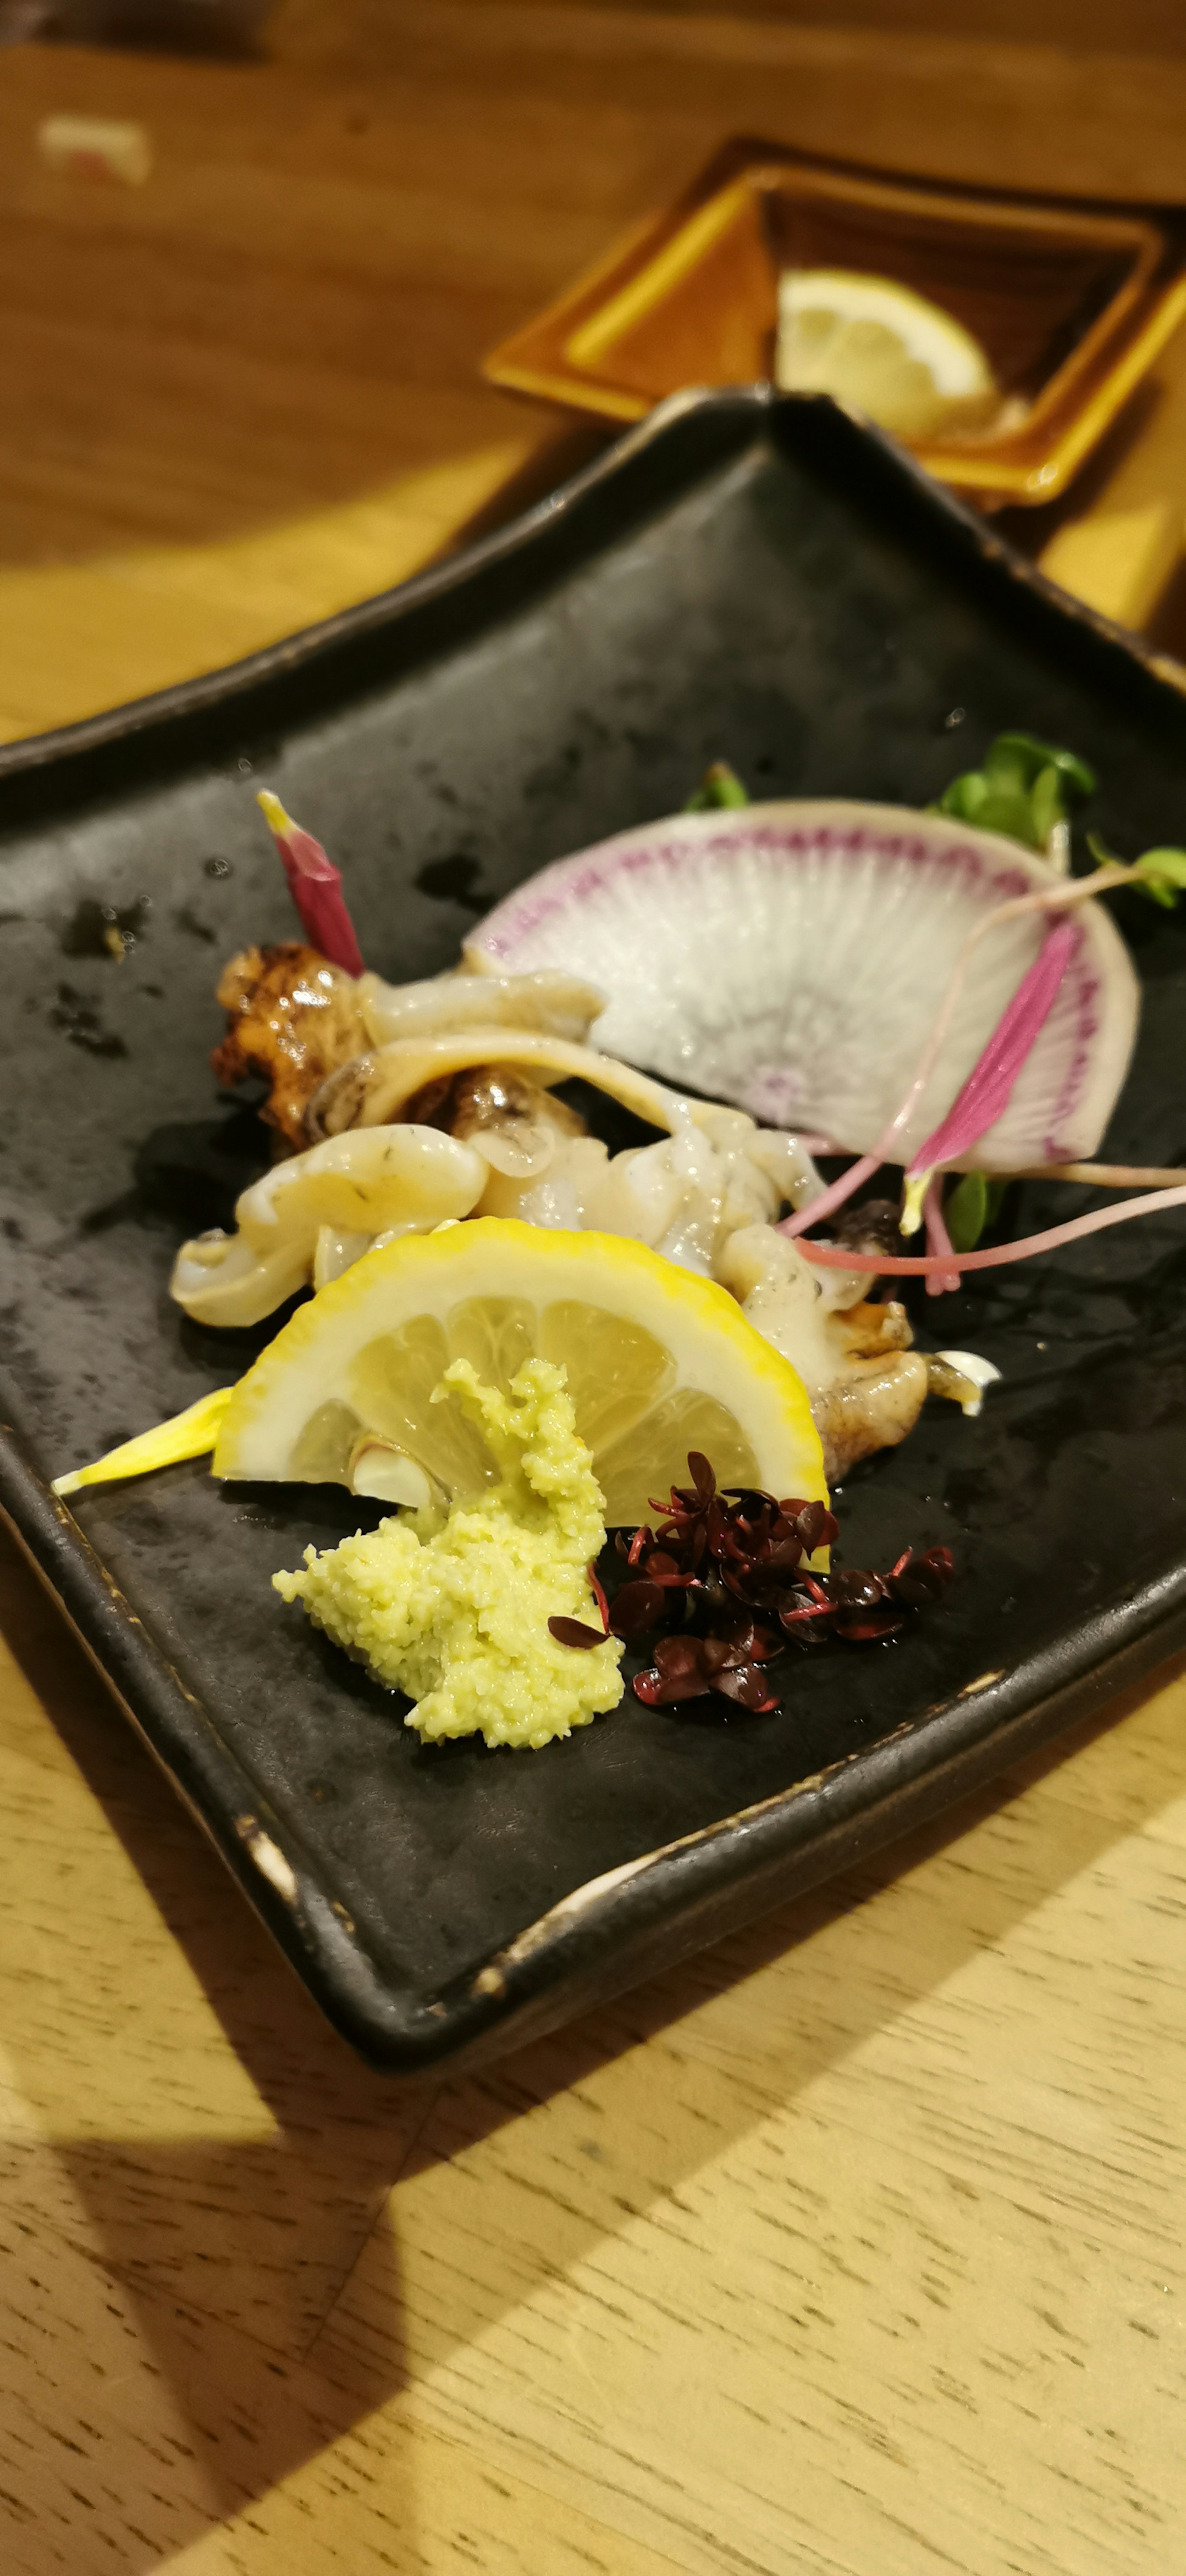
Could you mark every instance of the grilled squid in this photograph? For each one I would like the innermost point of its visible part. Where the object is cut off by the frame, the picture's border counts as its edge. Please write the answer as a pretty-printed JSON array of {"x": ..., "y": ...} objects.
[
  {"x": 427, "y": 1102},
  {"x": 293, "y": 1019}
]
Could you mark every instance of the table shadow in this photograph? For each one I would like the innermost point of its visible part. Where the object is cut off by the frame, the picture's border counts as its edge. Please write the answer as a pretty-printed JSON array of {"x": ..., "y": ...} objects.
[{"x": 207, "y": 2236}]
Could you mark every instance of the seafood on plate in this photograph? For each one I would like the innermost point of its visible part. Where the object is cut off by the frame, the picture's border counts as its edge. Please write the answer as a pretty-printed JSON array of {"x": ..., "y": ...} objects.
[
  {"x": 807, "y": 956},
  {"x": 308, "y": 1218},
  {"x": 897, "y": 988},
  {"x": 515, "y": 1389},
  {"x": 294, "y": 1017},
  {"x": 527, "y": 1316},
  {"x": 452, "y": 1121},
  {"x": 291, "y": 1017}
]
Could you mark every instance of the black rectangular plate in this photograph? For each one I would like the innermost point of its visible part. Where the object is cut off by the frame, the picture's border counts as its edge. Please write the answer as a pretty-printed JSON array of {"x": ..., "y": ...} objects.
[{"x": 743, "y": 577}]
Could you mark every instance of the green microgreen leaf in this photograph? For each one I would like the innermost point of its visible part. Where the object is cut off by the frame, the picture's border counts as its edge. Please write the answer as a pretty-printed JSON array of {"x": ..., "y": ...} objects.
[
  {"x": 1048, "y": 804},
  {"x": 964, "y": 797},
  {"x": 1162, "y": 874},
  {"x": 1023, "y": 753},
  {"x": 966, "y": 1212},
  {"x": 975, "y": 1203},
  {"x": 720, "y": 785},
  {"x": 1023, "y": 790}
]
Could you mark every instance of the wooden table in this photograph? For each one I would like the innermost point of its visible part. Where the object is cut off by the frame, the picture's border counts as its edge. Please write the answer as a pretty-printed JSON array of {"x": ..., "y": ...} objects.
[{"x": 855, "y": 2247}]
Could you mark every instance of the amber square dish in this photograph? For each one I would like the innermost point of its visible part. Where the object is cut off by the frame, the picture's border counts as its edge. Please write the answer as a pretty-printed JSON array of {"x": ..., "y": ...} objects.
[{"x": 1071, "y": 305}]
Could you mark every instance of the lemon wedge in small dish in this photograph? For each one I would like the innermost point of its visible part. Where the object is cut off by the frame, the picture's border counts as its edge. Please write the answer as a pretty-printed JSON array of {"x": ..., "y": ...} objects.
[
  {"x": 657, "y": 1361},
  {"x": 884, "y": 349}
]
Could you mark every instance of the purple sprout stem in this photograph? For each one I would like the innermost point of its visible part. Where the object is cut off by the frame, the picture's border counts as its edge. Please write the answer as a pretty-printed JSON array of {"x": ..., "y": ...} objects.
[
  {"x": 1057, "y": 898},
  {"x": 833, "y": 1197},
  {"x": 894, "y": 1265},
  {"x": 938, "y": 1239},
  {"x": 989, "y": 1087}
]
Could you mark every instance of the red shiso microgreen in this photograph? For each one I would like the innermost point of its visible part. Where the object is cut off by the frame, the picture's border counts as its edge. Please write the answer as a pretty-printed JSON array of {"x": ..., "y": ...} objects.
[
  {"x": 636, "y": 1607},
  {"x": 731, "y": 1573},
  {"x": 989, "y": 1087},
  {"x": 573, "y": 1632},
  {"x": 997, "y": 1255},
  {"x": 316, "y": 887},
  {"x": 599, "y": 1597}
]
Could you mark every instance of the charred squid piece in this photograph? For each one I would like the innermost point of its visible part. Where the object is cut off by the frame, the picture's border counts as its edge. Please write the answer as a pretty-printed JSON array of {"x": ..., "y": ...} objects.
[
  {"x": 297, "y": 1021},
  {"x": 962, "y": 1377},
  {"x": 865, "y": 1382},
  {"x": 292, "y": 1019},
  {"x": 871, "y": 1227},
  {"x": 511, "y": 1122},
  {"x": 339, "y": 1101}
]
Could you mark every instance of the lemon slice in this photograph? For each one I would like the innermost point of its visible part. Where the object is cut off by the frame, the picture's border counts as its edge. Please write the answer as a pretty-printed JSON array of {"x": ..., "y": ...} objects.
[
  {"x": 882, "y": 348},
  {"x": 658, "y": 1361}
]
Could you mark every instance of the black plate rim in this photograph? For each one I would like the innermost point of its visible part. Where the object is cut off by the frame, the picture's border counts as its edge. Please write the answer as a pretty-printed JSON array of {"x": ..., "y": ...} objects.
[{"x": 648, "y": 1913}]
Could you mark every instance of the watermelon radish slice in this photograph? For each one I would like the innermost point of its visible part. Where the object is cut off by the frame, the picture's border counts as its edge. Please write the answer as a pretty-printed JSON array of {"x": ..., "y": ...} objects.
[{"x": 793, "y": 957}]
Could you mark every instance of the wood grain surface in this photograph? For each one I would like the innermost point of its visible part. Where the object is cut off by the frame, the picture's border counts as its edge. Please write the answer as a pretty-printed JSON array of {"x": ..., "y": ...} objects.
[
  {"x": 246, "y": 393},
  {"x": 854, "y": 2248}
]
